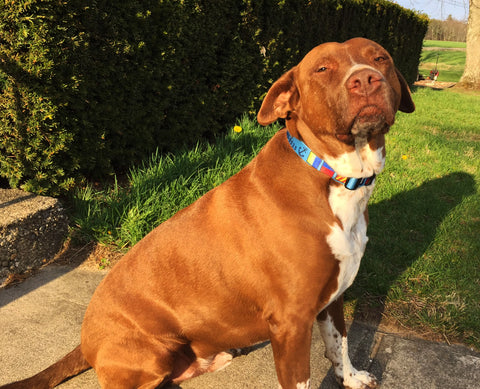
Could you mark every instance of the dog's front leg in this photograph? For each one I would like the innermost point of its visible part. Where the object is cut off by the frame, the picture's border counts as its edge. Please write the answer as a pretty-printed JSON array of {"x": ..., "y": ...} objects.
[
  {"x": 332, "y": 328},
  {"x": 291, "y": 340}
]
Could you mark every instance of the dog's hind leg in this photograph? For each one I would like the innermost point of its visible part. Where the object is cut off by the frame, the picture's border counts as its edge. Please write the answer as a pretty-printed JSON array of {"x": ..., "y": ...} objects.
[
  {"x": 128, "y": 377},
  {"x": 150, "y": 366},
  {"x": 142, "y": 364}
]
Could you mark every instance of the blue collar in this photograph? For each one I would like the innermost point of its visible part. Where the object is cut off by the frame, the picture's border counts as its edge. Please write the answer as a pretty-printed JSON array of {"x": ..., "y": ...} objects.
[{"x": 319, "y": 164}]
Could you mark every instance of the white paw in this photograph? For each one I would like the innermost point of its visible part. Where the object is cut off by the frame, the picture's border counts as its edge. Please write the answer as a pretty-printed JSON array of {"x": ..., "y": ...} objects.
[{"x": 360, "y": 380}]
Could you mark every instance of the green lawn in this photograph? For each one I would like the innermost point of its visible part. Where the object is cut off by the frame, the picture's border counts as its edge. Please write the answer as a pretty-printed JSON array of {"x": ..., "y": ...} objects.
[
  {"x": 422, "y": 264},
  {"x": 444, "y": 44},
  {"x": 451, "y": 61}
]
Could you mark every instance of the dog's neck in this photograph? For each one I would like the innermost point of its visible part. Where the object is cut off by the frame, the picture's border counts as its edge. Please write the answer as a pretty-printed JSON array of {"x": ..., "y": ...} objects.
[
  {"x": 363, "y": 158},
  {"x": 323, "y": 144}
]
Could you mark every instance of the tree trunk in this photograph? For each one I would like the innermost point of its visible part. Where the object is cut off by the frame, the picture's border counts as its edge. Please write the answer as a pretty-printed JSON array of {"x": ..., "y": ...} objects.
[{"x": 471, "y": 74}]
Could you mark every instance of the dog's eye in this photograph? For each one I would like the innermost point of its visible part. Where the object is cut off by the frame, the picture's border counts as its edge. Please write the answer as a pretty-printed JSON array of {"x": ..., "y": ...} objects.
[
  {"x": 321, "y": 69},
  {"x": 380, "y": 59}
]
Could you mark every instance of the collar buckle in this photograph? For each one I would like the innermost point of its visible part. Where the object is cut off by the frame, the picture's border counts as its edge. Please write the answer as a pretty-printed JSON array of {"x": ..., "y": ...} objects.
[{"x": 352, "y": 183}]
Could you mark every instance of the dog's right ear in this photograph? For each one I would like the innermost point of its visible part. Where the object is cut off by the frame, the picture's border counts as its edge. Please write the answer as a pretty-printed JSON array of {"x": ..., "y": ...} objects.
[
  {"x": 280, "y": 99},
  {"x": 406, "y": 103}
]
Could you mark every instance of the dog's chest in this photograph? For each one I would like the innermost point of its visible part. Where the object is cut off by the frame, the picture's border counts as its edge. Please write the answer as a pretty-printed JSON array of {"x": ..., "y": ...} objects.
[{"x": 348, "y": 236}]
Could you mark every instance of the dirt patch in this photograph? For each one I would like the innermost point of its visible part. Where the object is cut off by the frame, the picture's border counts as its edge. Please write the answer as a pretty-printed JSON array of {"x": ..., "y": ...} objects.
[
  {"x": 435, "y": 84},
  {"x": 444, "y": 49},
  {"x": 103, "y": 257},
  {"x": 91, "y": 255}
]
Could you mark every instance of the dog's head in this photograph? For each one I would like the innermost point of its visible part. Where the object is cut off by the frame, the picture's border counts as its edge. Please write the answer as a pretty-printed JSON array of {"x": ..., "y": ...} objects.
[{"x": 345, "y": 90}]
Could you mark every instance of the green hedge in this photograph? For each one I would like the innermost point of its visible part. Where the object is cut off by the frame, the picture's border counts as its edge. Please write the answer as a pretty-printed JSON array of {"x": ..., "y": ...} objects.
[{"x": 92, "y": 86}]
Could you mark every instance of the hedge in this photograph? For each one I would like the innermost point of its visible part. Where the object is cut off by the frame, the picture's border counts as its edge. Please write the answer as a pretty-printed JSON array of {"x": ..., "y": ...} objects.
[{"x": 89, "y": 87}]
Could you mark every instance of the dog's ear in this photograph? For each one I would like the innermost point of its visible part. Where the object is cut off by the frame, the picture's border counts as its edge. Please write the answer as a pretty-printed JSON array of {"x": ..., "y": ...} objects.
[
  {"x": 280, "y": 99},
  {"x": 406, "y": 103}
]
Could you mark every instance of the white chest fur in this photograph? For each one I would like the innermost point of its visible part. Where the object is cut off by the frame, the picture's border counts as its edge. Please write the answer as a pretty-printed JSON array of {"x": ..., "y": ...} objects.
[{"x": 348, "y": 236}]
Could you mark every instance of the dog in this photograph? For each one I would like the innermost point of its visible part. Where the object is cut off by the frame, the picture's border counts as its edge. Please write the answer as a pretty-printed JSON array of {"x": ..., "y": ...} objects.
[{"x": 263, "y": 255}]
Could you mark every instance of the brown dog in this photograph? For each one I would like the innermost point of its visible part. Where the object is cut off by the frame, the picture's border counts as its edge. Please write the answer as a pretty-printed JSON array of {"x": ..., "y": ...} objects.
[{"x": 263, "y": 255}]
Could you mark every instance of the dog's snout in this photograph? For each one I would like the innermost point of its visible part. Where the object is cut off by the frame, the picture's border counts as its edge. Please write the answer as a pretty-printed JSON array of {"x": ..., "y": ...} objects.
[{"x": 364, "y": 82}]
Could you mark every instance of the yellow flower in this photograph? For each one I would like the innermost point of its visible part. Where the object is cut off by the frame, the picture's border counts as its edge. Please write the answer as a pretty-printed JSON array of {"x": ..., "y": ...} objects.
[
  {"x": 237, "y": 129},
  {"x": 404, "y": 157}
]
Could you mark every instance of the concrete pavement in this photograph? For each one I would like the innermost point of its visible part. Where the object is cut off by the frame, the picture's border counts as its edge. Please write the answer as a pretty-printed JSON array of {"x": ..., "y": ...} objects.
[{"x": 40, "y": 322}]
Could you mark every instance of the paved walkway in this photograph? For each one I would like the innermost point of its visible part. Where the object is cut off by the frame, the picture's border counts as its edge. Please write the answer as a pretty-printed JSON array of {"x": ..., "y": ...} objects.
[{"x": 40, "y": 322}]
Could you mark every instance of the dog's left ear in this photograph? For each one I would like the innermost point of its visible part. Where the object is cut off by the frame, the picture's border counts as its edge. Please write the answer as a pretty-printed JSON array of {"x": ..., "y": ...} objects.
[
  {"x": 280, "y": 99},
  {"x": 406, "y": 103}
]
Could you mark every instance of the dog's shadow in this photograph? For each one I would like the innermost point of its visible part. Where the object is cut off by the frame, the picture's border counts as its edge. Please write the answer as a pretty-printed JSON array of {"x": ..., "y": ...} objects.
[{"x": 400, "y": 230}]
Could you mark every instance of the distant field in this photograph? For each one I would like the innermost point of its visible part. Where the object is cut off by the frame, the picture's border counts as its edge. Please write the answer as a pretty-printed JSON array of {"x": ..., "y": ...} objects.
[
  {"x": 445, "y": 44},
  {"x": 451, "y": 61}
]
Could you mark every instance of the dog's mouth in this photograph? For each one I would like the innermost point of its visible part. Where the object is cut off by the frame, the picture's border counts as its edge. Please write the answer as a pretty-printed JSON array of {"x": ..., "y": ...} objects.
[{"x": 370, "y": 120}]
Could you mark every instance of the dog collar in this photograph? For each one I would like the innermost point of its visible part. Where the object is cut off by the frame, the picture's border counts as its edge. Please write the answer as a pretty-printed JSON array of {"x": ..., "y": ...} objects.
[{"x": 304, "y": 152}]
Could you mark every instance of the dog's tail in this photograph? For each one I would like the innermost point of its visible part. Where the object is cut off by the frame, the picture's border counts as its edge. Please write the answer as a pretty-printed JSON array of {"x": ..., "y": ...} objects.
[{"x": 70, "y": 365}]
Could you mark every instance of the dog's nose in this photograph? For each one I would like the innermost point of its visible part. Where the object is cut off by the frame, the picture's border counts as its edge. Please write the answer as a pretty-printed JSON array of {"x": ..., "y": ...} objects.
[{"x": 364, "y": 82}]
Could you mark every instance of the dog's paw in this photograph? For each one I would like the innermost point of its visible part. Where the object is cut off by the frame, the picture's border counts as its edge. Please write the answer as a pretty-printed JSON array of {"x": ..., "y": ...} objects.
[{"x": 359, "y": 380}]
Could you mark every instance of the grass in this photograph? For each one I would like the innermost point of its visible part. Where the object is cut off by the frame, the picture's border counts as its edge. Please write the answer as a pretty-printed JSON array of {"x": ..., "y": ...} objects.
[
  {"x": 451, "y": 61},
  {"x": 422, "y": 264},
  {"x": 444, "y": 44}
]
